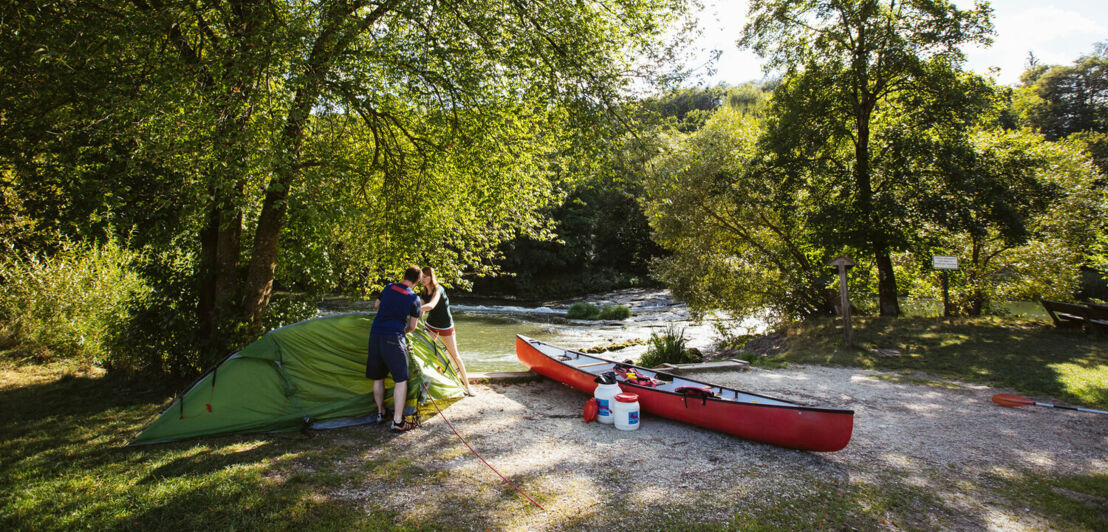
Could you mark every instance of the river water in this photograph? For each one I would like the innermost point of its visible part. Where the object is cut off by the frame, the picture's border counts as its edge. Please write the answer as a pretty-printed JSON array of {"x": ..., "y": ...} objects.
[{"x": 486, "y": 333}]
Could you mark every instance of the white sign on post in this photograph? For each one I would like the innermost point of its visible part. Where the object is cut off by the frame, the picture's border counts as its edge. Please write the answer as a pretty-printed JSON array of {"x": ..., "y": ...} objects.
[{"x": 943, "y": 262}]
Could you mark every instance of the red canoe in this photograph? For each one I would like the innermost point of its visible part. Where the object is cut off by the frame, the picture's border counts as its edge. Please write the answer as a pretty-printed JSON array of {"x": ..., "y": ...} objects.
[{"x": 751, "y": 416}]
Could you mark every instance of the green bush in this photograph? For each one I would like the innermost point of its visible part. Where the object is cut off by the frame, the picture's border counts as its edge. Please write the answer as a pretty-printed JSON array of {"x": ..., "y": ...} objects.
[
  {"x": 670, "y": 347},
  {"x": 67, "y": 304},
  {"x": 161, "y": 336},
  {"x": 583, "y": 311},
  {"x": 615, "y": 312},
  {"x": 587, "y": 311}
]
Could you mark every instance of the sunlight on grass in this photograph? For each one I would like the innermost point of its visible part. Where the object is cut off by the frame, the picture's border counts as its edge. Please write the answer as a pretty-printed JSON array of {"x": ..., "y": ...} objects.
[
  {"x": 1028, "y": 356},
  {"x": 243, "y": 447},
  {"x": 1088, "y": 383}
]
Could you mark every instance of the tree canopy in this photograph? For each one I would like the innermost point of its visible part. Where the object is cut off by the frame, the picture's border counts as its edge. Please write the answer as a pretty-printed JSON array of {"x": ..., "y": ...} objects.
[
  {"x": 846, "y": 65},
  {"x": 310, "y": 142}
]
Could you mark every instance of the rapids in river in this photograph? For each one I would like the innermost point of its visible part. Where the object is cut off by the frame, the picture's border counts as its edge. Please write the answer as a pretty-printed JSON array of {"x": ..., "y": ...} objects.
[{"x": 486, "y": 332}]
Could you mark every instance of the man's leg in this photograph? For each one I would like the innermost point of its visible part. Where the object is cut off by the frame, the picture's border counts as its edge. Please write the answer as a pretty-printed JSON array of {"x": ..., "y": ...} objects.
[
  {"x": 399, "y": 397},
  {"x": 379, "y": 395},
  {"x": 395, "y": 351}
]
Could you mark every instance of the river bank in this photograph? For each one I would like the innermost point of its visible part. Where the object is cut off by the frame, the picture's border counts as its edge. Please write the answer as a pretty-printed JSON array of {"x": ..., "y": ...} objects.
[
  {"x": 935, "y": 454},
  {"x": 487, "y": 328}
]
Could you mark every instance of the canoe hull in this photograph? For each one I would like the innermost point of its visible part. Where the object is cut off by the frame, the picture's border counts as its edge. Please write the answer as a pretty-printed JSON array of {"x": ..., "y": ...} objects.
[{"x": 784, "y": 424}]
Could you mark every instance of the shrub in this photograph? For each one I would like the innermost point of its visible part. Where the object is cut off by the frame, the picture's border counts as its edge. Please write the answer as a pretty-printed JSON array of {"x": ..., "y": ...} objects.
[
  {"x": 160, "y": 338},
  {"x": 587, "y": 311},
  {"x": 726, "y": 337},
  {"x": 615, "y": 312},
  {"x": 670, "y": 347},
  {"x": 583, "y": 311},
  {"x": 67, "y": 304}
]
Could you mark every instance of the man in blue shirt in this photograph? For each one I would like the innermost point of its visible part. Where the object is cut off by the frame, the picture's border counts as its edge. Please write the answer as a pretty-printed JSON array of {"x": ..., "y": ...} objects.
[{"x": 398, "y": 310}]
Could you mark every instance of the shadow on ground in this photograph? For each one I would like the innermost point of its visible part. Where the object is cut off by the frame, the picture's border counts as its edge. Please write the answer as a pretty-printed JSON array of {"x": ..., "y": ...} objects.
[{"x": 63, "y": 464}]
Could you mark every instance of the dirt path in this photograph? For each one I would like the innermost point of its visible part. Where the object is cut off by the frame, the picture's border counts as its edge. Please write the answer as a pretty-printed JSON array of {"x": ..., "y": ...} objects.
[{"x": 923, "y": 455}]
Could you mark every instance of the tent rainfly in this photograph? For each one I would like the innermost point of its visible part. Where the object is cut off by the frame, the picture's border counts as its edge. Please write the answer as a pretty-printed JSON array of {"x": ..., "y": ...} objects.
[{"x": 305, "y": 375}]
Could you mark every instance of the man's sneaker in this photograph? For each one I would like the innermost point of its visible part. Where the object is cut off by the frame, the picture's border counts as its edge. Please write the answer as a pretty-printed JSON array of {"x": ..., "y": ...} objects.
[
  {"x": 382, "y": 417},
  {"x": 403, "y": 426}
]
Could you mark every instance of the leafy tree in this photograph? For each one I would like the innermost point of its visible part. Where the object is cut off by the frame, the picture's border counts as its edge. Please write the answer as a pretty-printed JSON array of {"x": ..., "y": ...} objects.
[
  {"x": 687, "y": 109},
  {"x": 845, "y": 62},
  {"x": 81, "y": 111},
  {"x": 1022, "y": 226},
  {"x": 736, "y": 238},
  {"x": 1069, "y": 99},
  {"x": 1071, "y": 102},
  {"x": 749, "y": 98},
  {"x": 603, "y": 239},
  {"x": 460, "y": 207},
  {"x": 205, "y": 125}
]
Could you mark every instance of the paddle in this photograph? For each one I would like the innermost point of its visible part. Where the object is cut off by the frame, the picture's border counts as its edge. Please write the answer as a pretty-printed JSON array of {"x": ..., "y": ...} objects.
[
  {"x": 1013, "y": 400},
  {"x": 594, "y": 364}
]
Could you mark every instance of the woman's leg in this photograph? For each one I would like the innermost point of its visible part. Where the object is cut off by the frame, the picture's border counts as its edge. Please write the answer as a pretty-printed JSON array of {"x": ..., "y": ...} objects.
[{"x": 452, "y": 348}]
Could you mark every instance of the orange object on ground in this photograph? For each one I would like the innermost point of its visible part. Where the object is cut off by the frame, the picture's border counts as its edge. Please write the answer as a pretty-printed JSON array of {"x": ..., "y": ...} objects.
[{"x": 591, "y": 409}]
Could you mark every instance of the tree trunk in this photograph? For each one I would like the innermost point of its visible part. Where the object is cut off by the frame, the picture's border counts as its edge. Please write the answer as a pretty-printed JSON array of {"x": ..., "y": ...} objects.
[
  {"x": 976, "y": 298},
  {"x": 886, "y": 283},
  {"x": 263, "y": 260},
  {"x": 335, "y": 35},
  {"x": 219, "y": 279},
  {"x": 871, "y": 220}
]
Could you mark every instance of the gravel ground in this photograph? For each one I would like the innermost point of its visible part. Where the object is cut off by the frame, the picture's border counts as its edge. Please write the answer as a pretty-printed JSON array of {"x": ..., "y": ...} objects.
[{"x": 939, "y": 447}]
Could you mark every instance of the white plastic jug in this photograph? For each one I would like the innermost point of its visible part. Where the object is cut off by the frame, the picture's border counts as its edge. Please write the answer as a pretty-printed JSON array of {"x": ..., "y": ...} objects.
[
  {"x": 625, "y": 411},
  {"x": 605, "y": 397}
]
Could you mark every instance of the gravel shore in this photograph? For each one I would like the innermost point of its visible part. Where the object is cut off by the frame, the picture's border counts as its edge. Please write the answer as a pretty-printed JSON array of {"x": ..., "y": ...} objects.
[{"x": 940, "y": 447}]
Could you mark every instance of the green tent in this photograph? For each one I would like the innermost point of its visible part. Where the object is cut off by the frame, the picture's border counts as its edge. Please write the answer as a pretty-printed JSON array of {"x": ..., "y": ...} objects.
[{"x": 306, "y": 375}]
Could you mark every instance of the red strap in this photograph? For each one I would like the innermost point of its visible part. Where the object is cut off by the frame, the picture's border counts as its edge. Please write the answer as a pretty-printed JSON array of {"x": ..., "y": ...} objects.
[{"x": 478, "y": 455}]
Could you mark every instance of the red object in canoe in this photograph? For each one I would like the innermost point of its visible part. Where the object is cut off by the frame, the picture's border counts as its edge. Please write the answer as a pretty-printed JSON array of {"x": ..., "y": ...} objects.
[{"x": 751, "y": 416}]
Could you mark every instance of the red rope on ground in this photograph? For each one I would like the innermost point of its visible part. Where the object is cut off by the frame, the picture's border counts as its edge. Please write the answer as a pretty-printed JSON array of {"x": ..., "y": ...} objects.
[{"x": 479, "y": 456}]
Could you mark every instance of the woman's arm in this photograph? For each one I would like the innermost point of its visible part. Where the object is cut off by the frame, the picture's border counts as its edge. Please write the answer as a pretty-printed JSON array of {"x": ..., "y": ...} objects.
[{"x": 434, "y": 301}]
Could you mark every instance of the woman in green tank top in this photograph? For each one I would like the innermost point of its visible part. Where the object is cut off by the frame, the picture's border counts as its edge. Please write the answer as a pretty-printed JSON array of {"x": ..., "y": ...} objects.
[{"x": 440, "y": 323}]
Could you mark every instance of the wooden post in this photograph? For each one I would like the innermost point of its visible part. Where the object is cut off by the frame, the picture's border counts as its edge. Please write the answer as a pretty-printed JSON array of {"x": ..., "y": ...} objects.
[
  {"x": 946, "y": 296},
  {"x": 843, "y": 262},
  {"x": 945, "y": 263}
]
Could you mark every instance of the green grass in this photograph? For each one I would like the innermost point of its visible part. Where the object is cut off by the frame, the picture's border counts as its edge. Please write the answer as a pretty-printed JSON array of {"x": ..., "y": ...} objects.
[
  {"x": 668, "y": 347},
  {"x": 1070, "y": 502},
  {"x": 63, "y": 465},
  {"x": 1029, "y": 356}
]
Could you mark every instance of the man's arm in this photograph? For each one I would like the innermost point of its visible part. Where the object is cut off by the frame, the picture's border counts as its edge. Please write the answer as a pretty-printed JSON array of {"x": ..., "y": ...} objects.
[
  {"x": 413, "y": 316},
  {"x": 377, "y": 305}
]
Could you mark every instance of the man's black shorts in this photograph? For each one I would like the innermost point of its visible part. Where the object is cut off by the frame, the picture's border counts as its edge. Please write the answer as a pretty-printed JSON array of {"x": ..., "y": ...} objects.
[{"x": 388, "y": 353}]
